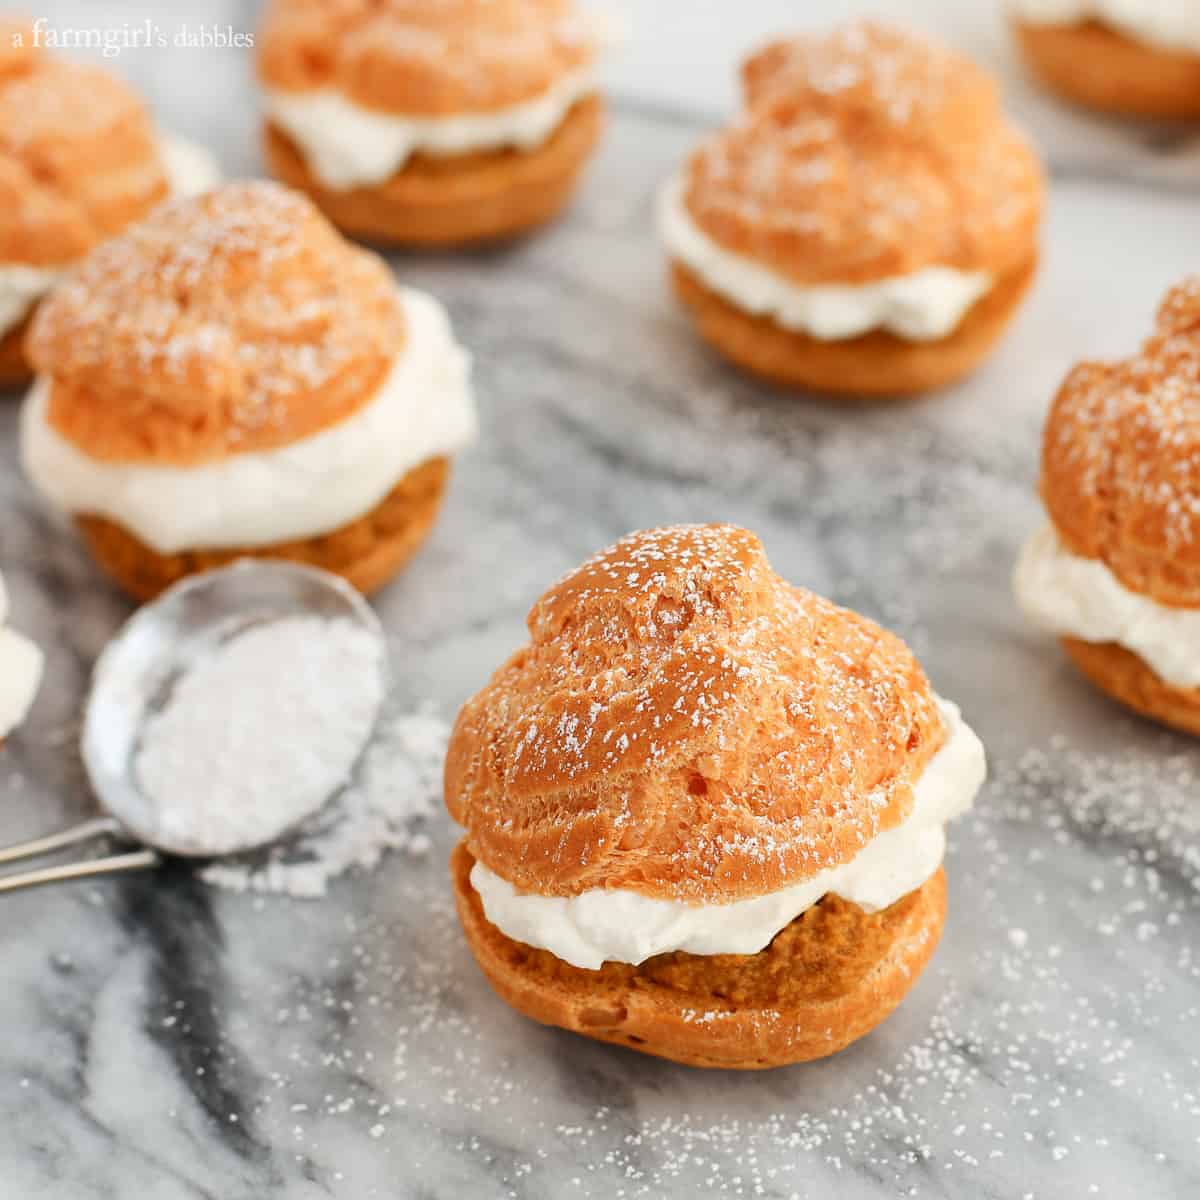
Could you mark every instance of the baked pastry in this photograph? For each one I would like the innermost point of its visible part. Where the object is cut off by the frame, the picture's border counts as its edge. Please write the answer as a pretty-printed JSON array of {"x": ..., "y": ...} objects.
[
  {"x": 20, "y": 672},
  {"x": 430, "y": 124},
  {"x": 704, "y": 809},
  {"x": 1116, "y": 572},
  {"x": 1137, "y": 58},
  {"x": 79, "y": 159},
  {"x": 230, "y": 377},
  {"x": 867, "y": 226}
]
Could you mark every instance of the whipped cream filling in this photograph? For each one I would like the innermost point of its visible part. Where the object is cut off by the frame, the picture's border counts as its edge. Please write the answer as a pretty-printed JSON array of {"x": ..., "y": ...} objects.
[
  {"x": 21, "y": 287},
  {"x": 1080, "y": 597},
  {"x": 924, "y": 306},
  {"x": 1168, "y": 24},
  {"x": 21, "y": 666},
  {"x": 190, "y": 169},
  {"x": 619, "y": 925},
  {"x": 346, "y": 145},
  {"x": 421, "y": 410}
]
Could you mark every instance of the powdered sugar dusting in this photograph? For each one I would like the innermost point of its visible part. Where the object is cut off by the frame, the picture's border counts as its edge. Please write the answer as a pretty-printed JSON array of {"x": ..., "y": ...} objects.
[
  {"x": 257, "y": 735},
  {"x": 1035, "y": 1080},
  {"x": 440, "y": 58},
  {"x": 648, "y": 668},
  {"x": 867, "y": 153},
  {"x": 385, "y": 808},
  {"x": 241, "y": 314},
  {"x": 1123, "y": 439}
]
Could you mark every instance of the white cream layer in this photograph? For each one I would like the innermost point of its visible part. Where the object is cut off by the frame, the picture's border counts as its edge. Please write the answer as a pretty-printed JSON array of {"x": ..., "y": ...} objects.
[
  {"x": 925, "y": 306},
  {"x": 190, "y": 170},
  {"x": 346, "y": 145},
  {"x": 1168, "y": 24},
  {"x": 21, "y": 287},
  {"x": 618, "y": 925},
  {"x": 1081, "y": 598},
  {"x": 20, "y": 672},
  {"x": 422, "y": 409}
]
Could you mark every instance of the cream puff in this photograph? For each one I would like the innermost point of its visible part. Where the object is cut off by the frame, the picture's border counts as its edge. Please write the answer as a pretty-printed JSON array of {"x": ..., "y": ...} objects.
[
  {"x": 431, "y": 124},
  {"x": 1138, "y": 58},
  {"x": 230, "y": 377},
  {"x": 1116, "y": 571},
  {"x": 704, "y": 809},
  {"x": 868, "y": 225},
  {"x": 21, "y": 667},
  {"x": 80, "y": 159}
]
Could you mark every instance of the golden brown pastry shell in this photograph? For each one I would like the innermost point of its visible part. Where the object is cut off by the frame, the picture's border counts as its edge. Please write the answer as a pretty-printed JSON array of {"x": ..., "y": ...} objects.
[
  {"x": 1127, "y": 678},
  {"x": 15, "y": 371},
  {"x": 686, "y": 724},
  {"x": 460, "y": 200},
  {"x": 1095, "y": 66}
]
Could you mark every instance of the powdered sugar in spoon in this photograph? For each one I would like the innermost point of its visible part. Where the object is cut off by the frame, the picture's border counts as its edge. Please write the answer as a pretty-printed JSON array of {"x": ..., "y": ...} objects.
[{"x": 222, "y": 717}]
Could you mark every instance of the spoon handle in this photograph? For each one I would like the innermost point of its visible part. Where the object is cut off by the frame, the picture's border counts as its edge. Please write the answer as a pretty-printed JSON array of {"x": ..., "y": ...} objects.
[
  {"x": 137, "y": 860},
  {"x": 86, "y": 831}
]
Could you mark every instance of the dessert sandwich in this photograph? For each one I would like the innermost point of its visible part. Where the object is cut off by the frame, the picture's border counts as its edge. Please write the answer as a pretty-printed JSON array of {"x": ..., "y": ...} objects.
[
  {"x": 80, "y": 158},
  {"x": 704, "y": 810},
  {"x": 231, "y": 378},
  {"x": 867, "y": 227},
  {"x": 1115, "y": 572},
  {"x": 431, "y": 124},
  {"x": 1138, "y": 58}
]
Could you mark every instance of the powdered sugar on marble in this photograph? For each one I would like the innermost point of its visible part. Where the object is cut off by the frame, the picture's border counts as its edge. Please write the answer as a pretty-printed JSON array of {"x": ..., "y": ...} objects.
[{"x": 385, "y": 808}]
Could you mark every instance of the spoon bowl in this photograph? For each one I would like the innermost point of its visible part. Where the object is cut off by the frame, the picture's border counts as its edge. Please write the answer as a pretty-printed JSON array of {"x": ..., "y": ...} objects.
[
  {"x": 134, "y": 680},
  {"x": 136, "y": 675}
]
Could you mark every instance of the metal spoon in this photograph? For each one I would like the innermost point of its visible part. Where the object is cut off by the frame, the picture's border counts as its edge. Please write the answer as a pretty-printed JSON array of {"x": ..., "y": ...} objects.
[{"x": 133, "y": 680}]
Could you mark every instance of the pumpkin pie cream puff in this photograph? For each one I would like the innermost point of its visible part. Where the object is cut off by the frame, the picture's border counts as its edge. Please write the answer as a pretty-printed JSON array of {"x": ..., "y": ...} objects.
[
  {"x": 868, "y": 226},
  {"x": 704, "y": 810},
  {"x": 417, "y": 123},
  {"x": 230, "y": 377},
  {"x": 1133, "y": 57},
  {"x": 1116, "y": 571},
  {"x": 20, "y": 672},
  {"x": 80, "y": 159}
]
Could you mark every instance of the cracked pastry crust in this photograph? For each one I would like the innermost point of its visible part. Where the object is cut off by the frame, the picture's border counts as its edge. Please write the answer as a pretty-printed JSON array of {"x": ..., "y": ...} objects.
[
  {"x": 232, "y": 322},
  {"x": 867, "y": 153},
  {"x": 1098, "y": 67},
  {"x": 1119, "y": 454},
  {"x": 686, "y": 724},
  {"x": 413, "y": 58}
]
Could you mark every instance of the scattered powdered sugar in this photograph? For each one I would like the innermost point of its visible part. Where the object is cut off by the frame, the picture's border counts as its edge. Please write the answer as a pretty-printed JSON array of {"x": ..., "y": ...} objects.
[
  {"x": 255, "y": 738},
  {"x": 393, "y": 792},
  {"x": 1012, "y": 1063}
]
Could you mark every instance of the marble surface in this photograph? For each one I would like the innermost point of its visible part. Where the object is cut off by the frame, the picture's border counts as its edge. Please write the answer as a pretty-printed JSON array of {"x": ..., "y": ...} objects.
[{"x": 165, "y": 1040}]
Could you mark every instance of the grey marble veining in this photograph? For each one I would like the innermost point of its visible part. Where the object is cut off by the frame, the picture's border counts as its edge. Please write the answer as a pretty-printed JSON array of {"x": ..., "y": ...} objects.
[{"x": 164, "y": 1040}]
